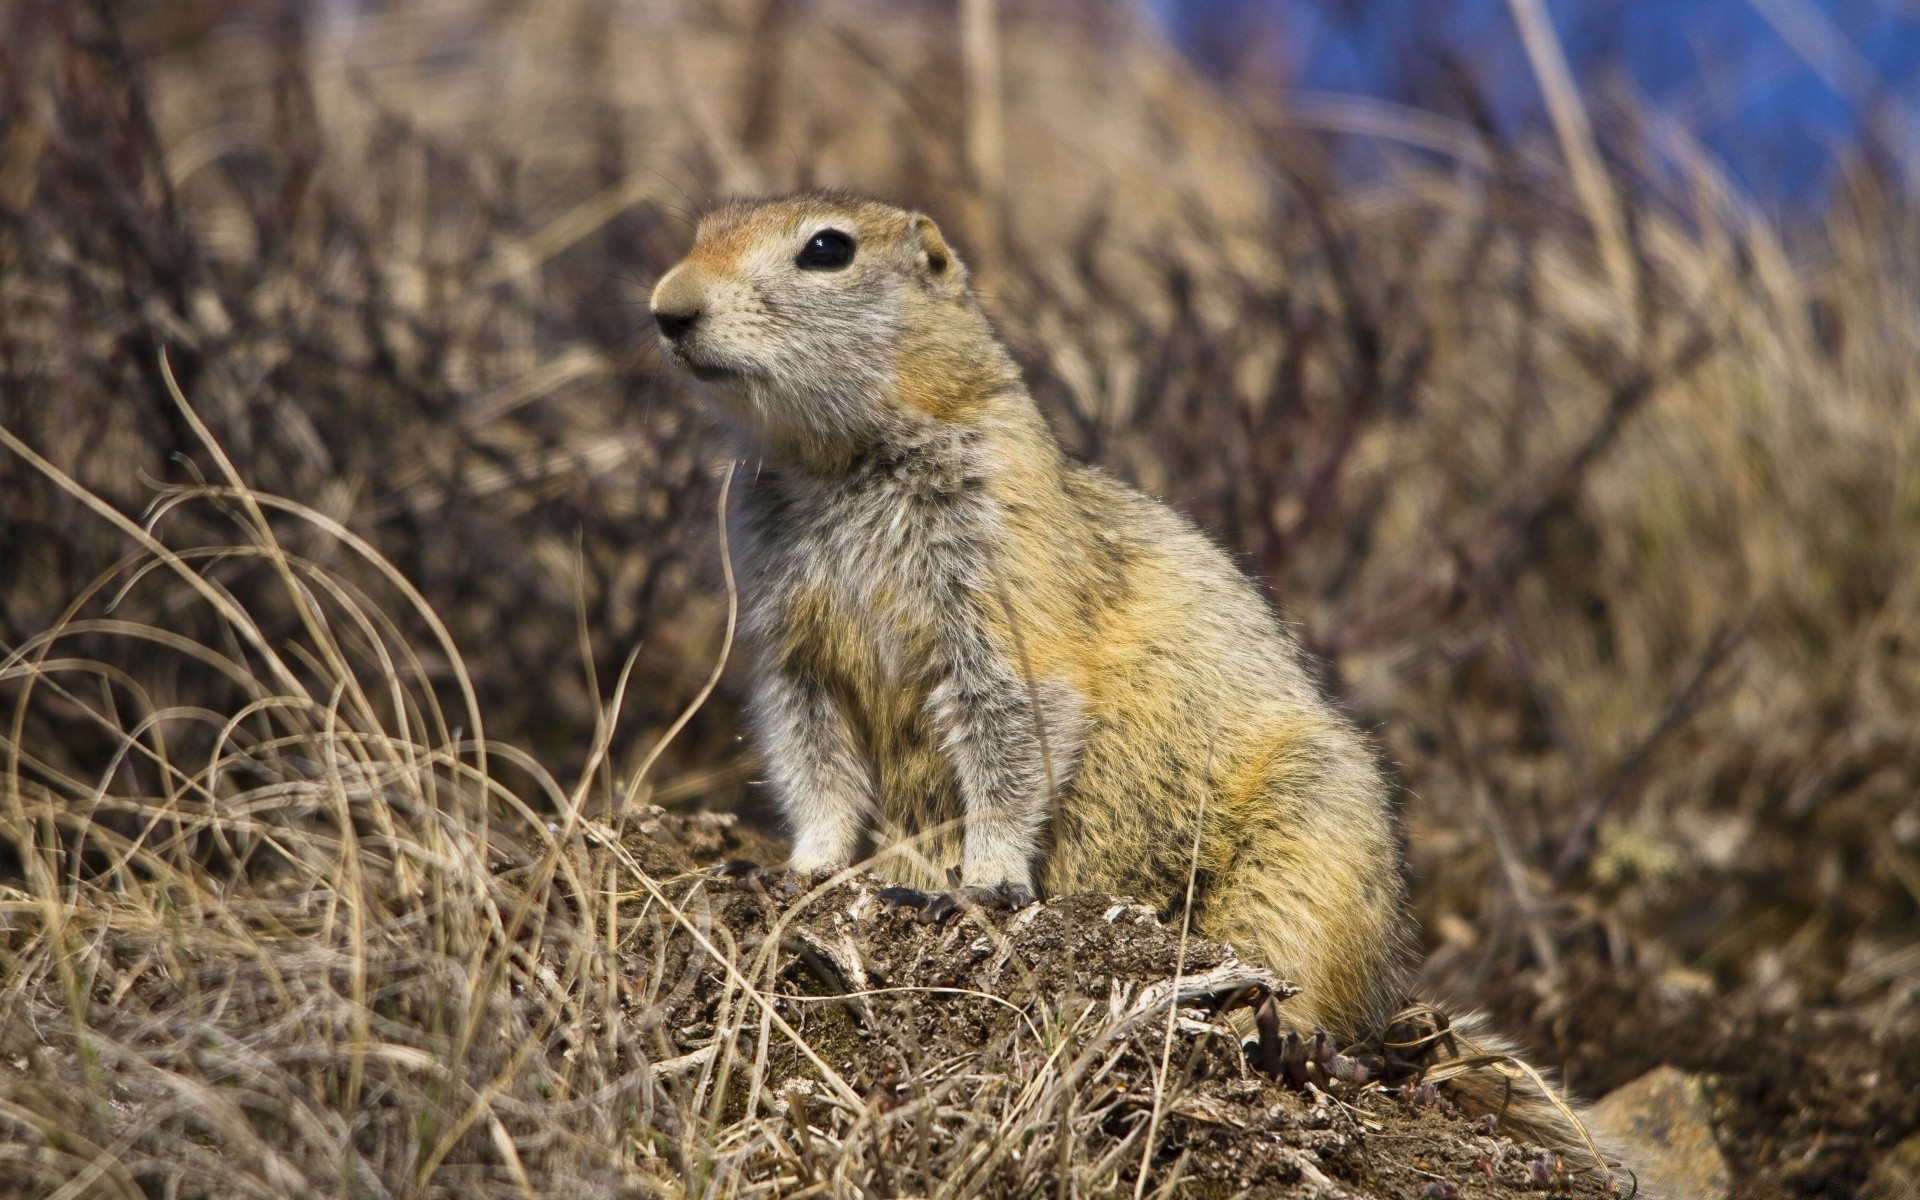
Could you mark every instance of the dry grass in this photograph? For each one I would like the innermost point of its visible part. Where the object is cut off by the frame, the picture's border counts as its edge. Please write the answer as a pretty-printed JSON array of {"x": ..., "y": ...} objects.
[
  {"x": 1594, "y": 486},
  {"x": 348, "y": 950}
]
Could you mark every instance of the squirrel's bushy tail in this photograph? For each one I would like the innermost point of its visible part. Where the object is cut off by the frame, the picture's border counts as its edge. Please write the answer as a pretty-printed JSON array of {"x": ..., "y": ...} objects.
[{"x": 1484, "y": 1072}]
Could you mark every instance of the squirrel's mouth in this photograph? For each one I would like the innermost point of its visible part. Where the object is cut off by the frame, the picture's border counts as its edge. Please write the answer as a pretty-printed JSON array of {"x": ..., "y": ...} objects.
[{"x": 700, "y": 367}]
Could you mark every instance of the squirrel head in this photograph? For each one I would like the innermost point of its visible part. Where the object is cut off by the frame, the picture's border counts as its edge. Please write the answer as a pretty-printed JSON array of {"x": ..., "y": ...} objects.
[{"x": 825, "y": 323}]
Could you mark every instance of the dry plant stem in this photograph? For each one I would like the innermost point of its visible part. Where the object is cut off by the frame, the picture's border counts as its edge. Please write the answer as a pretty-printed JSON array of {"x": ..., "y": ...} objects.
[
  {"x": 985, "y": 137},
  {"x": 1368, "y": 116},
  {"x": 1569, "y": 113},
  {"x": 726, "y": 646},
  {"x": 1179, "y": 965},
  {"x": 321, "y": 636},
  {"x": 1526, "y": 900},
  {"x": 1486, "y": 561},
  {"x": 40, "y": 873},
  {"x": 1481, "y": 1059},
  {"x": 1683, "y": 702},
  {"x": 949, "y": 160},
  {"x": 1516, "y": 534},
  {"x": 542, "y": 876},
  {"x": 366, "y": 552},
  {"x": 827, "y": 1074},
  {"x": 418, "y": 602},
  {"x": 257, "y": 519},
  {"x": 492, "y": 974},
  {"x": 1825, "y": 47},
  {"x": 1546, "y": 701},
  {"x": 331, "y": 735},
  {"x": 523, "y": 256},
  {"x": 221, "y": 603}
]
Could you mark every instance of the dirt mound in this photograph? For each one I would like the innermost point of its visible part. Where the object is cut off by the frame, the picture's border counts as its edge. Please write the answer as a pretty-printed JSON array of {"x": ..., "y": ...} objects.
[{"x": 1014, "y": 1053}]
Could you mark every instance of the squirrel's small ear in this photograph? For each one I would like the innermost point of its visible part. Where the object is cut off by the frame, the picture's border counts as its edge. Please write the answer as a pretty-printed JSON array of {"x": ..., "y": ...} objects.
[{"x": 935, "y": 256}]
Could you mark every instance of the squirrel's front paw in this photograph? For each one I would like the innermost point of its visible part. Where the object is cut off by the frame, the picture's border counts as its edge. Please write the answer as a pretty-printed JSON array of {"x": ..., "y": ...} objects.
[
  {"x": 935, "y": 907},
  {"x": 1010, "y": 895},
  {"x": 818, "y": 864}
]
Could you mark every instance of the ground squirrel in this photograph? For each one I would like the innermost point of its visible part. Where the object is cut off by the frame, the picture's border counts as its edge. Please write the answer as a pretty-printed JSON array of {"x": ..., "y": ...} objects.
[
  {"x": 977, "y": 652},
  {"x": 963, "y": 631}
]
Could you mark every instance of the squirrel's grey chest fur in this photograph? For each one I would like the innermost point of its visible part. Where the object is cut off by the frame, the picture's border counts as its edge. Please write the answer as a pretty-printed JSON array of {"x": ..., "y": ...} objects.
[{"x": 894, "y": 539}]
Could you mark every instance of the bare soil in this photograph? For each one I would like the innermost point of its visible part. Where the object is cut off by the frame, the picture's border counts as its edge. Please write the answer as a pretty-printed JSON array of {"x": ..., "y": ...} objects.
[{"x": 1806, "y": 1099}]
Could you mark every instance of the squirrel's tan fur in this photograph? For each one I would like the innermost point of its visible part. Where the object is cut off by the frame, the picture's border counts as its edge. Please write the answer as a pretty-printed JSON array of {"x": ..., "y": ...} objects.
[{"x": 983, "y": 654}]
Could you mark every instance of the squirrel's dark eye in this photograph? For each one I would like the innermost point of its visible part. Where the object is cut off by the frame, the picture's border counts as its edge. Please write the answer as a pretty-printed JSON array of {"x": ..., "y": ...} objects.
[{"x": 828, "y": 250}]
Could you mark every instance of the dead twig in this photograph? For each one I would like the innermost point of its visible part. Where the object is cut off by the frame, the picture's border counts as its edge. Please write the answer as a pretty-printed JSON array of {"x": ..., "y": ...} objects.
[{"x": 1686, "y": 699}]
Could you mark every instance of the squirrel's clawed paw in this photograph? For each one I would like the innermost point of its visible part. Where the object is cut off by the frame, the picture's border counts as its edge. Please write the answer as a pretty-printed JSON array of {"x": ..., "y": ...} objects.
[{"x": 936, "y": 907}]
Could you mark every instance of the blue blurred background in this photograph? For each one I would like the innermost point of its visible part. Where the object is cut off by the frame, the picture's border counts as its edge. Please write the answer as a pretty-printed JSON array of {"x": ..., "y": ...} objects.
[{"x": 1775, "y": 88}]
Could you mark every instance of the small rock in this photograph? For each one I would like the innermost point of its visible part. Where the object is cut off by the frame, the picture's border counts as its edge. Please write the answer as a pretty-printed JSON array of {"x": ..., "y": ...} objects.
[
  {"x": 1661, "y": 1123},
  {"x": 1897, "y": 1175}
]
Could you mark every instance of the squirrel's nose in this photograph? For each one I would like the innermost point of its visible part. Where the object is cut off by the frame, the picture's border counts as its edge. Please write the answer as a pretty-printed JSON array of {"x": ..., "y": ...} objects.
[{"x": 675, "y": 325}]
